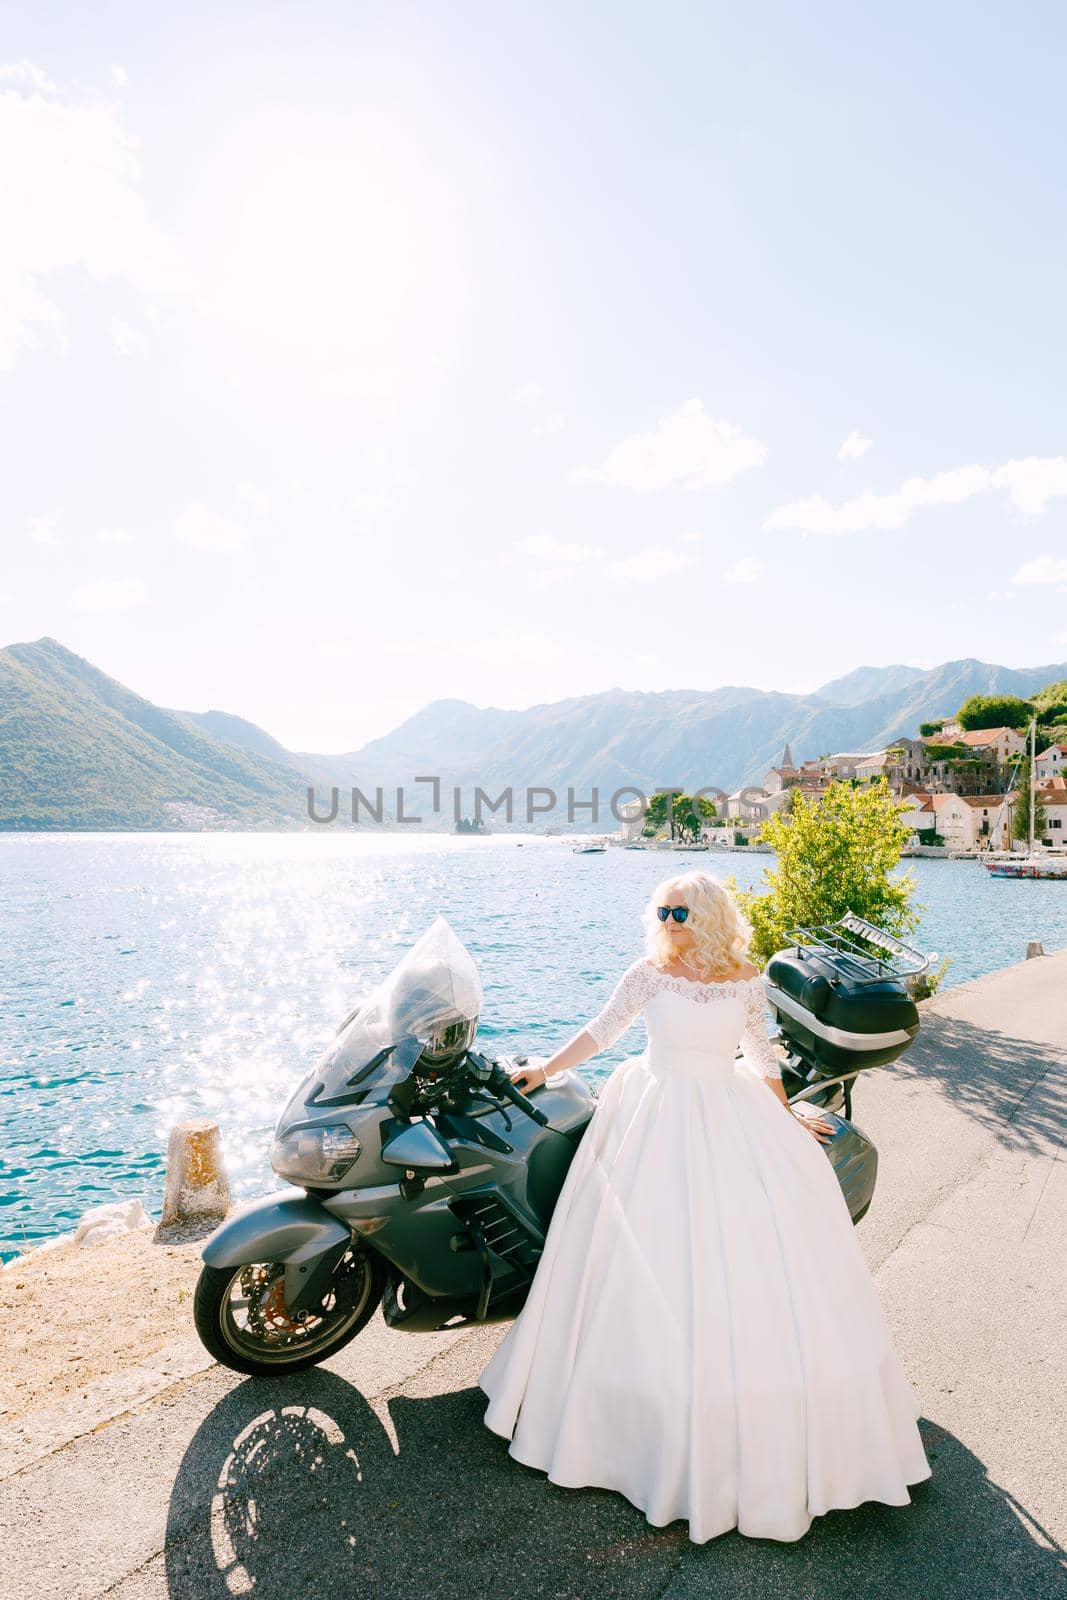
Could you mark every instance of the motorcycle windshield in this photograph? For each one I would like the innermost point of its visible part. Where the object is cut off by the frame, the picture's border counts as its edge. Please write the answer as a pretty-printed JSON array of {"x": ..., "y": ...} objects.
[{"x": 434, "y": 985}]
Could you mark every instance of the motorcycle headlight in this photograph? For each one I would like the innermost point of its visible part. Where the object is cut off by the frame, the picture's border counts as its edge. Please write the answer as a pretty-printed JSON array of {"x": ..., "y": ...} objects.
[{"x": 315, "y": 1155}]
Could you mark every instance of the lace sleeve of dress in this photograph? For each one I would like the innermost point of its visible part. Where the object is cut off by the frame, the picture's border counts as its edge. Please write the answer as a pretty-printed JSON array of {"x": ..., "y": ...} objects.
[
  {"x": 623, "y": 1007},
  {"x": 755, "y": 1038}
]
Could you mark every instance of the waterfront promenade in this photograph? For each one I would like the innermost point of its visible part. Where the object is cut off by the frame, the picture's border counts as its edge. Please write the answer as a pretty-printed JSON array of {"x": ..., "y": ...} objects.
[{"x": 374, "y": 1475}]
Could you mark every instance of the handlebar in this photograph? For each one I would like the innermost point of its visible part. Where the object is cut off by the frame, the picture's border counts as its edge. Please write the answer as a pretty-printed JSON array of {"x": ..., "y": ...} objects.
[{"x": 502, "y": 1084}]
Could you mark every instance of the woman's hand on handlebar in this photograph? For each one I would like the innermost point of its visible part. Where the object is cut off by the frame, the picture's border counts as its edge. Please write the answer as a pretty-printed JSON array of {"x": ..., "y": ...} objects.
[{"x": 529, "y": 1077}]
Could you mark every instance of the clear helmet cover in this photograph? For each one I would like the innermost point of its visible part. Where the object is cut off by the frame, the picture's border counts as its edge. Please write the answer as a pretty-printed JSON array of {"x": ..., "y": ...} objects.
[{"x": 426, "y": 1010}]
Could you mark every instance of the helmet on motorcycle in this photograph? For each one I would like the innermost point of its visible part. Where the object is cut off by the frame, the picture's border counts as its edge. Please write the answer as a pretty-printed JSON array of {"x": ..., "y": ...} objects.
[
  {"x": 448, "y": 1040},
  {"x": 434, "y": 993},
  {"x": 417, "y": 1008}
]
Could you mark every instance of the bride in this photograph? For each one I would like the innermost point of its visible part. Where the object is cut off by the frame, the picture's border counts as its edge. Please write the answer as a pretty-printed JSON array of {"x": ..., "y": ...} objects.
[{"x": 702, "y": 1333}]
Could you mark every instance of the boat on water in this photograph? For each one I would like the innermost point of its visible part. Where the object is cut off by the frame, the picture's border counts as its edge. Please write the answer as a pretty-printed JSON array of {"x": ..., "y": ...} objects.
[
  {"x": 1037, "y": 862},
  {"x": 1020, "y": 866},
  {"x": 588, "y": 849}
]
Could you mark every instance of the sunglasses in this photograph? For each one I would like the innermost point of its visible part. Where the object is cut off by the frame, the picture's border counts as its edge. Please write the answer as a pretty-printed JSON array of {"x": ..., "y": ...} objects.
[{"x": 679, "y": 913}]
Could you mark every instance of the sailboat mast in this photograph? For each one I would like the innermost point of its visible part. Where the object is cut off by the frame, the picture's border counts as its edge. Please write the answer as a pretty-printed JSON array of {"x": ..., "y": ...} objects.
[{"x": 1033, "y": 721}]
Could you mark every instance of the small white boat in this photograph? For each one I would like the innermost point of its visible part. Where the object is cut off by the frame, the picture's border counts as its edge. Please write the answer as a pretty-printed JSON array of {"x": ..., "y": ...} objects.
[{"x": 588, "y": 849}]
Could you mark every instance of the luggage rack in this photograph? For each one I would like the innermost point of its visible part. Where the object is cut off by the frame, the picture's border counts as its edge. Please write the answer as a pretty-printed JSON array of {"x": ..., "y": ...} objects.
[{"x": 839, "y": 942}]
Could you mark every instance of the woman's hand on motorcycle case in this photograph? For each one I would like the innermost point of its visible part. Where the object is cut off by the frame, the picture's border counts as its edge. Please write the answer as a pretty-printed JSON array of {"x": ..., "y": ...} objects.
[{"x": 816, "y": 1125}]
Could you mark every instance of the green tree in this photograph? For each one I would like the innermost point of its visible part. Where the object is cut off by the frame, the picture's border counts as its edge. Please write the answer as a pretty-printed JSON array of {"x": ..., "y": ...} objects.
[
  {"x": 1020, "y": 822},
  {"x": 928, "y": 729},
  {"x": 834, "y": 853},
  {"x": 690, "y": 814},
  {"x": 656, "y": 814},
  {"x": 994, "y": 711},
  {"x": 1050, "y": 703},
  {"x": 684, "y": 815}
]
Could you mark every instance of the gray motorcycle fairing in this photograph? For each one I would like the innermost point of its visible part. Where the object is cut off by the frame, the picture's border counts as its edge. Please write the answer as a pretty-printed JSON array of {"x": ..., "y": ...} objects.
[{"x": 286, "y": 1225}]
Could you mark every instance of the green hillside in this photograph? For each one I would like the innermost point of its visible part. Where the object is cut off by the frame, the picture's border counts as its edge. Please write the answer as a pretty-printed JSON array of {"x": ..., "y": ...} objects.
[{"x": 78, "y": 750}]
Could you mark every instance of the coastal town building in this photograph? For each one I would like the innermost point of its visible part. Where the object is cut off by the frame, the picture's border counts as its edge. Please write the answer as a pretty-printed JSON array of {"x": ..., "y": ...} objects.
[
  {"x": 1004, "y": 743},
  {"x": 744, "y": 805},
  {"x": 921, "y": 818},
  {"x": 767, "y": 805},
  {"x": 1050, "y": 763},
  {"x": 632, "y": 819},
  {"x": 910, "y": 759},
  {"x": 956, "y": 783},
  {"x": 879, "y": 764},
  {"x": 949, "y": 728},
  {"x": 1053, "y": 797},
  {"x": 967, "y": 765},
  {"x": 843, "y": 764},
  {"x": 966, "y": 822},
  {"x": 784, "y": 776},
  {"x": 781, "y": 778}
]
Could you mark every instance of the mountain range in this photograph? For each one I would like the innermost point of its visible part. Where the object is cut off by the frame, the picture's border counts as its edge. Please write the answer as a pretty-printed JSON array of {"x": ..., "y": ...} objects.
[{"x": 80, "y": 751}]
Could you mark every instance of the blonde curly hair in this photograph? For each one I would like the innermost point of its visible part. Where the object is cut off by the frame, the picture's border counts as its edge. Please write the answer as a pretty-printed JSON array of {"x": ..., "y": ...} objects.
[{"x": 720, "y": 931}]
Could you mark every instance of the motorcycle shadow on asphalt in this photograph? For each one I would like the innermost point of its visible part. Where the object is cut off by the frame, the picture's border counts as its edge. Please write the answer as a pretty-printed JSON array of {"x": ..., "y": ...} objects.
[{"x": 301, "y": 1488}]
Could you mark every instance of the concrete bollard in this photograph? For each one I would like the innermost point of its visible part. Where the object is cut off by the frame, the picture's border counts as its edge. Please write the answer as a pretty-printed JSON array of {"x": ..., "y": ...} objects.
[
  {"x": 196, "y": 1184},
  {"x": 1034, "y": 948}
]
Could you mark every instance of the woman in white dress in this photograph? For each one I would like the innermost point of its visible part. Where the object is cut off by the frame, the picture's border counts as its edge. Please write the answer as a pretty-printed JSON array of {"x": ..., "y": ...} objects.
[{"x": 702, "y": 1333}]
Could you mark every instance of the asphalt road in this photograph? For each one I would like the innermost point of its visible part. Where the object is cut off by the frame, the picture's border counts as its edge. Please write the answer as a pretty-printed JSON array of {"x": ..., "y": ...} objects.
[{"x": 374, "y": 1475}]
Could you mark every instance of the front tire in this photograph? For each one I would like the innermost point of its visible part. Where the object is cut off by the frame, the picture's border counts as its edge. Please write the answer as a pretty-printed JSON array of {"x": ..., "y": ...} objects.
[{"x": 242, "y": 1320}]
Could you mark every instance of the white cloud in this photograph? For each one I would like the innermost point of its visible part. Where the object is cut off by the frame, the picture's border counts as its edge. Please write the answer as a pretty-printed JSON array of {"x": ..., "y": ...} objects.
[
  {"x": 114, "y": 536},
  {"x": 203, "y": 529},
  {"x": 747, "y": 570},
  {"x": 692, "y": 537},
  {"x": 1033, "y": 482},
  {"x": 688, "y": 450},
  {"x": 528, "y": 395},
  {"x": 1061, "y": 638},
  {"x": 548, "y": 548},
  {"x": 119, "y": 76},
  {"x": 256, "y": 499},
  {"x": 126, "y": 340},
  {"x": 550, "y": 425},
  {"x": 69, "y": 175},
  {"x": 107, "y": 595},
  {"x": 644, "y": 565},
  {"x": 1001, "y": 594},
  {"x": 1043, "y": 569},
  {"x": 42, "y": 530},
  {"x": 1029, "y": 483},
  {"x": 854, "y": 447},
  {"x": 26, "y": 72}
]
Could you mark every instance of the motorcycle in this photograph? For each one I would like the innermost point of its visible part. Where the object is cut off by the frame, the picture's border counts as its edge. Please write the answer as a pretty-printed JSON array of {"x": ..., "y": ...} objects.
[{"x": 419, "y": 1178}]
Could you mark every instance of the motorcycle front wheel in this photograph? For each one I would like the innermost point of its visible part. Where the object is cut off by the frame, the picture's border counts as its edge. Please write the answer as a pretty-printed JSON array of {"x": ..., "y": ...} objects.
[{"x": 242, "y": 1319}]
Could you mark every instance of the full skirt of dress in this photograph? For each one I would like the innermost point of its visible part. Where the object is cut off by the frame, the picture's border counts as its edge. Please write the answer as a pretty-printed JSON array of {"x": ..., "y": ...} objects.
[{"x": 703, "y": 1334}]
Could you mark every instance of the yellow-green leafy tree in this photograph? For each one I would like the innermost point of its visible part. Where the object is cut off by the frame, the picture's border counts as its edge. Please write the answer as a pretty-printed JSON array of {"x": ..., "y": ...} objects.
[{"x": 834, "y": 853}]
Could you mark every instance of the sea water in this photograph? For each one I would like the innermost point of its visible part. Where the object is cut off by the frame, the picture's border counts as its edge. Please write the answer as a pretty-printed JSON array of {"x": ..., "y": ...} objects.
[{"x": 146, "y": 978}]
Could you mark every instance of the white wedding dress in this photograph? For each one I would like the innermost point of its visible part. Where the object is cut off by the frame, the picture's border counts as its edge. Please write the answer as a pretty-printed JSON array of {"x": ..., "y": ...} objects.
[{"x": 703, "y": 1333}]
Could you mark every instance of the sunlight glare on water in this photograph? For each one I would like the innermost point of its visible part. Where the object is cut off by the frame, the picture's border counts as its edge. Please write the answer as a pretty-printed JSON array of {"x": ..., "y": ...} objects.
[{"x": 147, "y": 978}]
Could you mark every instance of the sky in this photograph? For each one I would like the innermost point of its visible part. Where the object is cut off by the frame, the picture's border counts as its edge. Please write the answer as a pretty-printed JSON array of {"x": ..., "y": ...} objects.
[{"x": 358, "y": 355}]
